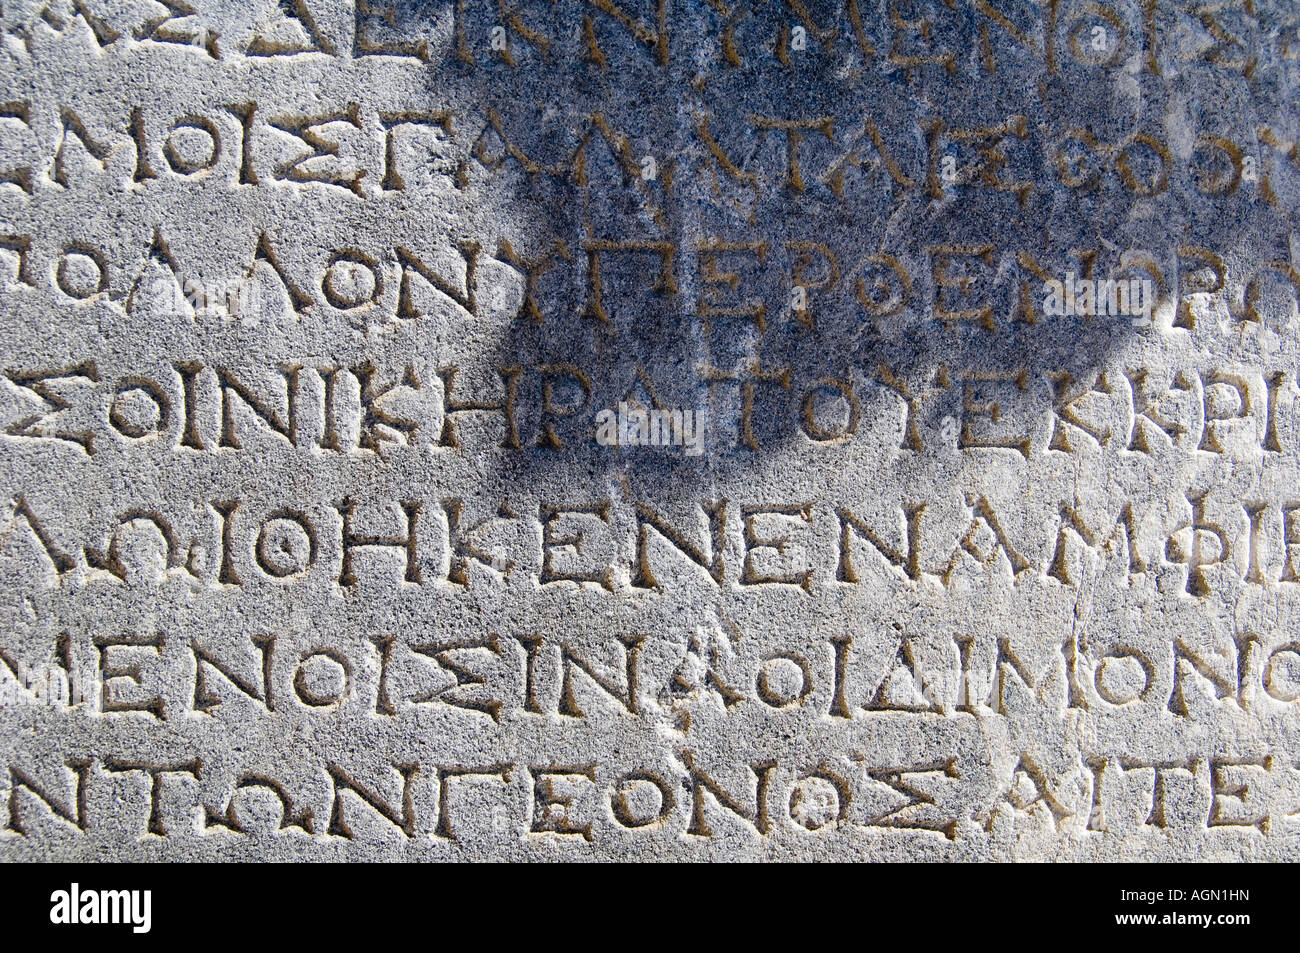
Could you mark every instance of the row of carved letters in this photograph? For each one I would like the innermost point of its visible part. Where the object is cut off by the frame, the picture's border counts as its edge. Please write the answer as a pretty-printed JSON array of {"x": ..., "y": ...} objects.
[
  {"x": 579, "y": 544},
  {"x": 1252, "y": 795},
  {"x": 879, "y": 287},
  {"x": 1238, "y": 412},
  {"x": 371, "y": 153},
  {"x": 533, "y": 675},
  {"x": 900, "y": 33}
]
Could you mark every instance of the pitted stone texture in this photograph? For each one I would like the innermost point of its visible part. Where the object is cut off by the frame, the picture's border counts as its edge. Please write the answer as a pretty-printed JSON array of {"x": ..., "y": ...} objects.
[{"x": 314, "y": 546}]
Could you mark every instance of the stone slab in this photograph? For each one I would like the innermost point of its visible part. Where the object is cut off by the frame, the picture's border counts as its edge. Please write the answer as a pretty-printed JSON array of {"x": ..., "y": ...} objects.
[{"x": 328, "y": 331}]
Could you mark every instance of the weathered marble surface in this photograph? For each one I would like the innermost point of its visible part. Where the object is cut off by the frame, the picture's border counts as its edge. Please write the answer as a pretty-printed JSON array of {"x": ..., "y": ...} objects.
[{"x": 310, "y": 549}]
